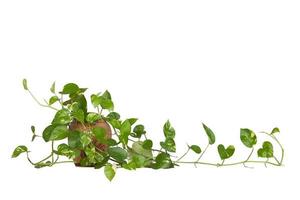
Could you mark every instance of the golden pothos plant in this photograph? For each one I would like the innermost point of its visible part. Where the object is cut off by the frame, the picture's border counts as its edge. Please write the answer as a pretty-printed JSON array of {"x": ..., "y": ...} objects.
[{"x": 102, "y": 139}]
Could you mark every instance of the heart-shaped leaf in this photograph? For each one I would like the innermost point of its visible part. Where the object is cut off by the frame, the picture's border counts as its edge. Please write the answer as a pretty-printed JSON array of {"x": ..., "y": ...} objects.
[
  {"x": 248, "y": 137},
  {"x": 266, "y": 151},
  {"x": 225, "y": 153}
]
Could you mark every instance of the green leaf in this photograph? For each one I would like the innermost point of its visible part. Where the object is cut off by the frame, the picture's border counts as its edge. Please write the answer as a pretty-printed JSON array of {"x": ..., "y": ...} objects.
[
  {"x": 225, "y": 153},
  {"x": 52, "y": 89},
  {"x": 53, "y": 99},
  {"x": 163, "y": 161},
  {"x": 106, "y": 95},
  {"x": 70, "y": 88},
  {"x": 196, "y": 149},
  {"x": 169, "y": 131},
  {"x": 113, "y": 115},
  {"x": 32, "y": 129},
  {"x": 59, "y": 132},
  {"x": 100, "y": 134},
  {"x": 118, "y": 154},
  {"x": 85, "y": 140},
  {"x": 125, "y": 131},
  {"x": 47, "y": 132},
  {"x": 210, "y": 134},
  {"x": 62, "y": 117},
  {"x": 78, "y": 115},
  {"x": 139, "y": 149},
  {"x": 55, "y": 132},
  {"x": 74, "y": 139},
  {"x": 43, "y": 164},
  {"x": 132, "y": 120},
  {"x": 106, "y": 103},
  {"x": 111, "y": 142},
  {"x": 109, "y": 172},
  {"x": 266, "y": 151},
  {"x": 139, "y": 130},
  {"x": 18, "y": 150},
  {"x": 147, "y": 144},
  {"x": 95, "y": 100},
  {"x": 65, "y": 150},
  {"x": 275, "y": 130},
  {"x": 115, "y": 123},
  {"x": 136, "y": 161},
  {"x": 82, "y": 104},
  {"x": 92, "y": 117},
  {"x": 248, "y": 137},
  {"x": 169, "y": 145},
  {"x": 25, "y": 84}
]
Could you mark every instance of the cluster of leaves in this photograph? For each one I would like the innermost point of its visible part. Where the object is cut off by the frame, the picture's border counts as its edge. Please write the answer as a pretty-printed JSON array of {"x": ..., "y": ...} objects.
[{"x": 128, "y": 148}]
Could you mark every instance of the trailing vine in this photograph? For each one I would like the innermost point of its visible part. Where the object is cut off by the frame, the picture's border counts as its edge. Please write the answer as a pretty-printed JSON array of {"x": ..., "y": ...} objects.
[{"x": 101, "y": 139}]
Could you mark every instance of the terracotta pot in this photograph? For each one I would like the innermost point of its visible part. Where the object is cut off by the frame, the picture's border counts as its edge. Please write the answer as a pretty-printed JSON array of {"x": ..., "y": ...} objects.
[{"x": 77, "y": 126}]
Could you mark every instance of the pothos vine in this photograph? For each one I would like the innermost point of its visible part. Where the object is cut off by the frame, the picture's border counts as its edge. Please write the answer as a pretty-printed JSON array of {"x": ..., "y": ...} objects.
[{"x": 101, "y": 139}]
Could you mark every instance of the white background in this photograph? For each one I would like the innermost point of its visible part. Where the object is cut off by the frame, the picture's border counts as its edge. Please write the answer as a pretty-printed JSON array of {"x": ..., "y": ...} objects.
[{"x": 230, "y": 64}]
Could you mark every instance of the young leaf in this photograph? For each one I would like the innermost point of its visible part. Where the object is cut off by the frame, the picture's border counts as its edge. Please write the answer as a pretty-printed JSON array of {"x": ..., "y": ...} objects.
[
  {"x": 210, "y": 134},
  {"x": 196, "y": 149},
  {"x": 25, "y": 84},
  {"x": 18, "y": 150},
  {"x": 275, "y": 130},
  {"x": 95, "y": 100},
  {"x": 109, "y": 172},
  {"x": 52, "y": 89},
  {"x": 248, "y": 137},
  {"x": 32, "y": 129},
  {"x": 118, "y": 154},
  {"x": 53, "y": 99}
]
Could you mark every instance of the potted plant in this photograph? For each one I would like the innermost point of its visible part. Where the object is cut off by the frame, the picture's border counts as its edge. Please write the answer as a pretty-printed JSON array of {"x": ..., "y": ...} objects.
[{"x": 102, "y": 139}]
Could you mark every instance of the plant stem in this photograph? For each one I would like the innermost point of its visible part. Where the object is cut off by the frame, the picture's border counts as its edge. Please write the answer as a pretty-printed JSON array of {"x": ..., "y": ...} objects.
[
  {"x": 52, "y": 151},
  {"x": 228, "y": 164},
  {"x": 183, "y": 154},
  {"x": 37, "y": 101},
  {"x": 281, "y": 147},
  {"x": 201, "y": 155}
]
